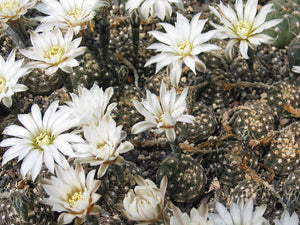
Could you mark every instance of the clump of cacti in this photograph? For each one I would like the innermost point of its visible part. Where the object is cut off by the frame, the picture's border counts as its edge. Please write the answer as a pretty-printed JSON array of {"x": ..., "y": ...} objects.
[{"x": 289, "y": 28}]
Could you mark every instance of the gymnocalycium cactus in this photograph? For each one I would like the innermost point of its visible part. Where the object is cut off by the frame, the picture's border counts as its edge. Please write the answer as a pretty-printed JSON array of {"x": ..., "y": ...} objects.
[{"x": 289, "y": 28}]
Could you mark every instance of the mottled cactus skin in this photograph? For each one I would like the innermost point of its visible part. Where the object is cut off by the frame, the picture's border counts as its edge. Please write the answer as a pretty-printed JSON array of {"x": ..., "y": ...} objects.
[
  {"x": 186, "y": 178},
  {"x": 279, "y": 94},
  {"x": 291, "y": 191},
  {"x": 228, "y": 159},
  {"x": 283, "y": 156},
  {"x": 294, "y": 52},
  {"x": 204, "y": 126},
  {"x": 252, "y": 121},
  {"x": 289, "y": 28}
]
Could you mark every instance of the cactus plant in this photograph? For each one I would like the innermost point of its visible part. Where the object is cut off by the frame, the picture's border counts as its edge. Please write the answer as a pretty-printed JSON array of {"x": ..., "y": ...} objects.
[
  {"x": 283, "y": 156},
  {"x": 186, "y": 178},
  {"x": 289, "y": 28}
]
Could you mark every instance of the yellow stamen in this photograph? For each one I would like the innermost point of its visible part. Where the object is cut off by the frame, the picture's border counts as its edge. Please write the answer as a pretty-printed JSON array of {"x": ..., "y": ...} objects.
[
  {"x": 7, "y": 5},
  {"x": 74, "y": 13},
  {"x": 2, "y": 83},
  {"x": 243, "y": 29},
  {"x": 43, "y": 138},
  {"x": 101, "y": 146},
  {"x": 185, "y": 48},
  {"x": 74, "y": 198},
  {"x": 55, "y": 52}
]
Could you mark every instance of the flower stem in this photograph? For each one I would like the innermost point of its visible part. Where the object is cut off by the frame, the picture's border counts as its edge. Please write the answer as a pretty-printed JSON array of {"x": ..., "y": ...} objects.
[
  {"x": 18, "y": 34},
  {"x": 176, "y": 151},
  {"x": 250, "y": 61},
  {"x": 66, "y": 80}
]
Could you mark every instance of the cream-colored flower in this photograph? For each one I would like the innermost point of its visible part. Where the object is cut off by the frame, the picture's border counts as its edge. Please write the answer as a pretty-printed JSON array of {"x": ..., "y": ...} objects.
[
  {"x": 103, "y": 145},
  {"x": 10, "y": 72},
  {"x": 71, "y": 14},
  {"x": 11, "y": 10},
  {"x": 240, "y": 214},
  {"x": 90, "y": 106},
  {"x": 181, "y": 43},
  {"x": 286, "y": 219},
  {"x": 73, "y": 194},
  {"x": 296, "y": 69},
  {"x": 42, "y": 139},
  {"x": 243, "y": 26},
  {"x": 162, "y": 113},
  {"x": 52, "y": 51},
  {"x": 159, "y": 8},
  {"x": 197, "y": 217},
  {"x": 146, "y": 203}
]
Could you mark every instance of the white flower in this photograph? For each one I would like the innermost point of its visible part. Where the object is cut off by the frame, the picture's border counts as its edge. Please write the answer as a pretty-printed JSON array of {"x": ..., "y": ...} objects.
[
  {"x": 10, "y": 73},
  {"x": 73, "y": 194},
  {"x": 11, "y": 10},
  {"x": 240, "y": 214},
  {"x": 90, "y": 106},
  {"x": 244, "y": 26},
  {"x": 296, "y": 69},
  {"x": 53, "y": 51},
  {"x": 181, "y": 43},
  {"x": 40, "y": 140},
  {"x": 71, "y": 14},
  {"x": 286, "y": 219},
  {"x": 198, "y": 216},
  {"x": 104, "y": 145},
  {"x": 159, "y": 8},
  {"x": 162, "y": 113},
  {"x": 145, "y": 203}
]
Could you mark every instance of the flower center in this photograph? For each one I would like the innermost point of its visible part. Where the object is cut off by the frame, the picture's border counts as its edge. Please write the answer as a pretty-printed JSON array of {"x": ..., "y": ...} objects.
[
  {"x": 185, "y": 47},
  {"x": 42, "y": 139},
  {"x": 243, "y": 29},
  {"x": 55, "y": 52},
  {"x": 74, "y": 198},
  {"x": 74, "y": 14},
  {"x": 101, "y": 146},
  {"x": 7, "y": 5},
  {"x": 2, "y": 83}
]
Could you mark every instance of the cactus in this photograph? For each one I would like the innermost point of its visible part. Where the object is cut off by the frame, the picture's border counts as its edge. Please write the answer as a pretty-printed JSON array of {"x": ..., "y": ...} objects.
[
  {"x": 228, "y": 160},
  {"x": 253, "y": 120},
  {"x": 289, "y": 28},
  {"x": 294, "y": 52},
  {"x": 186, "y": 178},
  {"x": 283, "y": 156},
  {"x": 204, "y": 126}
]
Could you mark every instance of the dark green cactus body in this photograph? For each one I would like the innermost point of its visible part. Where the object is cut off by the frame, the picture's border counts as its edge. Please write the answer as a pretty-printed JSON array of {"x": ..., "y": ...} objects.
[{"x": 186, "y": 178}]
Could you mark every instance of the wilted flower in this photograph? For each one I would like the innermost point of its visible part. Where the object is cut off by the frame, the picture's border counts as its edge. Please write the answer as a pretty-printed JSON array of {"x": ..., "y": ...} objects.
[
  {"x": 244, "y": 26},
  {"x": 286, "y": 219},
  {"x": 145, "y": 203},
  {"x": 52, "y": 51},
  {"x": 90, "y": 106},
  {"x": 10, "y": 72},
  {"x": 11, "y": 10},
  {"x": 104, "y": 145},
  {"x": 296, "y": 69},
  {"x": 73, "y": 194},
  {"x": 198, "y": 216},
  {"x": 181, "y": 43},
  {"x": 162, "y": 113},
  {"x": 161, "y": 8},
  {"x": 240, "y": 214},
  {"x": 71, "y": 14},
  {"x": 40, "y": 140}
]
